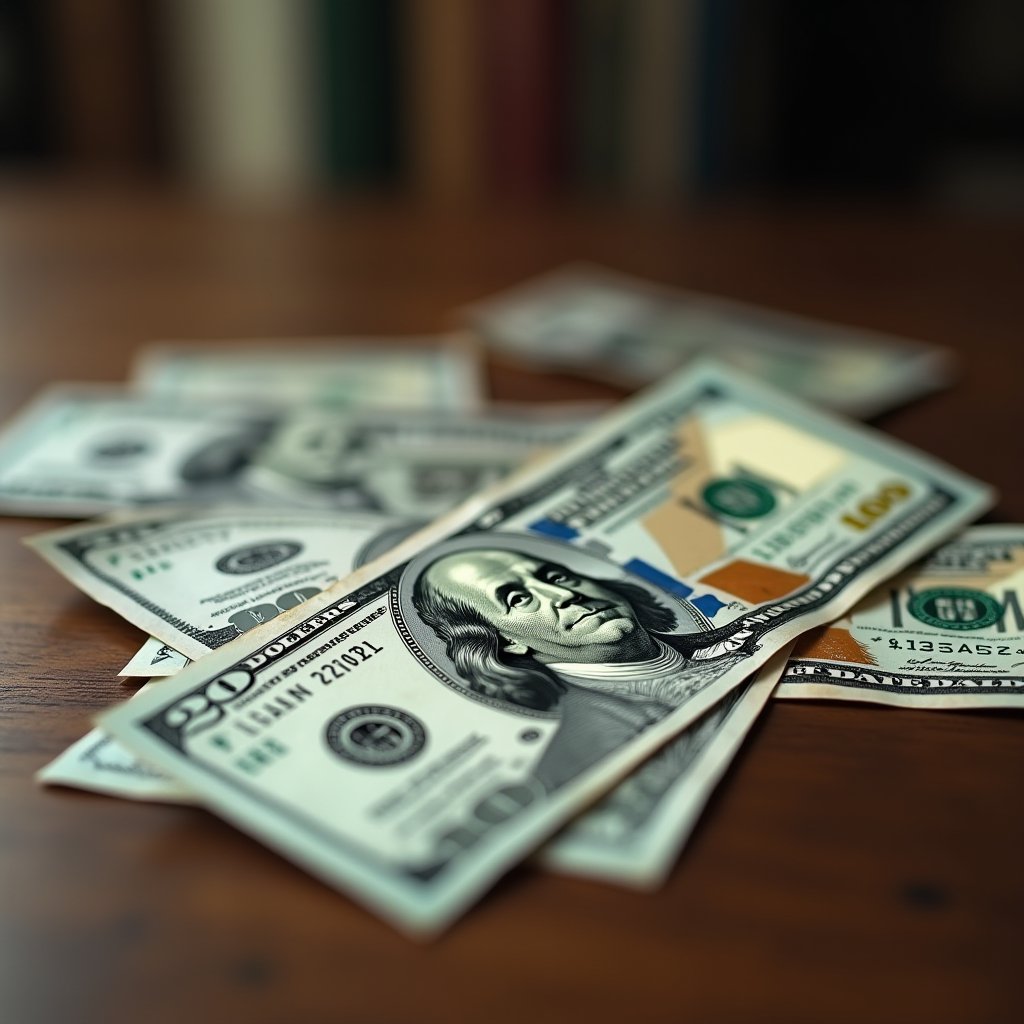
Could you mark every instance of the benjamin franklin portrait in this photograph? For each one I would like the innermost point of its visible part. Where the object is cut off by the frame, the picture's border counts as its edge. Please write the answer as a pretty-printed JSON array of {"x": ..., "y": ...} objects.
[{"x": 521, "y": 626}]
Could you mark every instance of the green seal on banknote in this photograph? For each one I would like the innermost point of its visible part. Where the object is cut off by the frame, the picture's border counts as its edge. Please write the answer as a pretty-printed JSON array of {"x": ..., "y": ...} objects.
[
  {"x": 955, "y": 608},
  {"x": 743, "y": 499}
]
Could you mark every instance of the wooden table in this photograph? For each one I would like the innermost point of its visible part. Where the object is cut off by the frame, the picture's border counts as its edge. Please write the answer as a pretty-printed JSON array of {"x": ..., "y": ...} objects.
[{"x": 856, "y": 864}]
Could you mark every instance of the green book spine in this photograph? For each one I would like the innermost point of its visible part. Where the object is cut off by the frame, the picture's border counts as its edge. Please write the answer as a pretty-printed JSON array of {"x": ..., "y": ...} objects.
[{"x": 360, "y": 72}]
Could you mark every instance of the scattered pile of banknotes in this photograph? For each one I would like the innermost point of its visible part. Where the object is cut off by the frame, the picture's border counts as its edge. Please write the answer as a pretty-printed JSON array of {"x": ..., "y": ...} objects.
[{"x": 408, "y": 638}]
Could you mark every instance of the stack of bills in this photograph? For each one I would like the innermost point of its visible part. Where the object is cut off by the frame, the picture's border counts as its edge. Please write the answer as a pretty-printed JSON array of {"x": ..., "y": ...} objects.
[{"x": 411, "y": 641}]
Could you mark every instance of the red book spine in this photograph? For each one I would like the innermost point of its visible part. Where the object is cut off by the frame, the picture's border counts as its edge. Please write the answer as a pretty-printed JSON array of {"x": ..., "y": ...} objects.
[{"x": 524, "y": 103}]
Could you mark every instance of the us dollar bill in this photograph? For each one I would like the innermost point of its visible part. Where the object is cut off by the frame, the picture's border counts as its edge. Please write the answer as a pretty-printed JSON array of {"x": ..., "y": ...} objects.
[
  {"x": 405, "y": 463},
  {"x": 154, "y": 659},
  {"x": 413, "y": 731},
  {"x": 82, "y": 450},
  {"x": 621, "y": 329},
  {"x": 948, "y": 633},
  {"x": 195, "y": 579},
  {"x": 433, "y": 372},
  {"x": 634, "y": 835}
]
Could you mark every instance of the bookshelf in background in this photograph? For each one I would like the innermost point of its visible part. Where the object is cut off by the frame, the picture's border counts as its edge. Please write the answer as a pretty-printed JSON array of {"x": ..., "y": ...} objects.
[
  {"x": 457, "y": 100},
  {"x": 634, "y": 101}
]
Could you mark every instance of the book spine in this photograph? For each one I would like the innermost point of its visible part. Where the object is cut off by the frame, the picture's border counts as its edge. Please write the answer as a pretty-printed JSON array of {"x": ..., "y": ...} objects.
[
  {"x": 524, "y": 89},
  {"x": 443, "y": 90},
  {"x": 597, "y": 66},
  {"x": 716, "y": 30},
  {"x": 29, "y": 130},
  {"x": 360, "y": 69},
  {"x": 242, "y": 86},
  {"x": 659, "y": 96},
  {"x": 105, "y": 83}
]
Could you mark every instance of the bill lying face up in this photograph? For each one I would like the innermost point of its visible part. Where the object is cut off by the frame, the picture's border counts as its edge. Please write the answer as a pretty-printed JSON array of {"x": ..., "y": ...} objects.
[{"x": 520, "y": 656}]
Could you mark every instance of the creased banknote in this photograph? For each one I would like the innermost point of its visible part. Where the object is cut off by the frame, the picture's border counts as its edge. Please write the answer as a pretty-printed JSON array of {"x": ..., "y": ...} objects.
[
  {"x": 417, "y": 464},
  {"x": 948, "y": 633},
  {"x": 416, "y": 729},
  {"x": 634, "y": 834},
  {"x": 86, "y": 449},
  {"x": 440, "y": 372},
  {"x": 154, "y": 658},
  {"x": 621, "y": 329},
  {"x": 197, "y": 578}
]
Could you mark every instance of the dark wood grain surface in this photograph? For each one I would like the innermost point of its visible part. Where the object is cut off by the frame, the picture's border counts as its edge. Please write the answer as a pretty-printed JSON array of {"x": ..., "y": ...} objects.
[{"x": 857, "y": 863}]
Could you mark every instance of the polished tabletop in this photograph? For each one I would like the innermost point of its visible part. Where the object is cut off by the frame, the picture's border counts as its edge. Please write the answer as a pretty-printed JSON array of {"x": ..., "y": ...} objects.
[{"x": 856, "y": 863}]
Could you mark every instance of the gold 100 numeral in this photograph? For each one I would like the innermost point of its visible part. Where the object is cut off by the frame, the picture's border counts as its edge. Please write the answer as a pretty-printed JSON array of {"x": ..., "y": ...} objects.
[{"x": 871, "y": 509}]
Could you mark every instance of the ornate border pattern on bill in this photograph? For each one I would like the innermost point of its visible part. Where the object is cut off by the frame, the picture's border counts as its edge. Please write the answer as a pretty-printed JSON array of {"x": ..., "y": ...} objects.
[{"x": 948, "y": 633}]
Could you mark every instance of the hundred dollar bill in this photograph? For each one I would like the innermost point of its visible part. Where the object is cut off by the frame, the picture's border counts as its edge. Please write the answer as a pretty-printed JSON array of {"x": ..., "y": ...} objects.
[
  {"x": 413, "y": 731},
  {"x": 154, "y": 659},
  {"x": 195, "y": 579},
  {"x": 82, "y": 450},
  {"x": 622, "y": 329},
  {"x": 634, "y": 834},
  {"x": 948, "y": 633},
  {"x": 439, "y": 372},
  {"x": 405, "y": 463}
]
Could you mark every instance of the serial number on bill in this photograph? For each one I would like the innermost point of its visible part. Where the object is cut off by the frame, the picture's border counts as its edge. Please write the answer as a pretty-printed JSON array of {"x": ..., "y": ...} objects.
[{"x": 945, "y": 647}]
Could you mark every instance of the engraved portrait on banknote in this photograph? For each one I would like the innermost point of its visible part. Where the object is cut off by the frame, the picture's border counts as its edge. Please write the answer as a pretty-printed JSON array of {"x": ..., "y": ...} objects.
[{"x": 536, "y": 623}]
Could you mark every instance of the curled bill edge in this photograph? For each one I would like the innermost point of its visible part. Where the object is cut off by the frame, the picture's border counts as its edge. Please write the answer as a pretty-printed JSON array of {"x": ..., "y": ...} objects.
[
  {"x": 645, "y": 862},
  {"x": 155, "y": 660},
  {"x": 97, "y": 763},
  {"x": 459, "y": 350}
]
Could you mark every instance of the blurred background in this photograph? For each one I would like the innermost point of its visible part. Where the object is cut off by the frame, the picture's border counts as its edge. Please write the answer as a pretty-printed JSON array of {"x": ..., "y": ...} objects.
[{"x": 656, "y": 102}]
